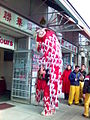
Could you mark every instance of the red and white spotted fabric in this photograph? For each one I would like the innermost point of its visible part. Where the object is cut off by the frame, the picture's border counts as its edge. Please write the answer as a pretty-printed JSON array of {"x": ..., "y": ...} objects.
[{"x": 51, "y": 57}]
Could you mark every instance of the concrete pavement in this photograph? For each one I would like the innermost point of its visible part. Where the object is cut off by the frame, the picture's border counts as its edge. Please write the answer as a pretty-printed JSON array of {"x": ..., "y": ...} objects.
[{"x": 32, "y": 112}]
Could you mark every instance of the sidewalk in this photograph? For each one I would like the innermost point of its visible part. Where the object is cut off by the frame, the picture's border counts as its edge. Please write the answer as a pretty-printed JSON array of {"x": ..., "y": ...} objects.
[{"x": 32, "y": 112}]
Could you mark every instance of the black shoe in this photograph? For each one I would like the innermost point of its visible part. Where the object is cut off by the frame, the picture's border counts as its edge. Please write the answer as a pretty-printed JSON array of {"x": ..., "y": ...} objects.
[
  {"x": 69, "y": 104},
  {"x": 80, "y": 101},
  {"x": 85, "y": 116}
]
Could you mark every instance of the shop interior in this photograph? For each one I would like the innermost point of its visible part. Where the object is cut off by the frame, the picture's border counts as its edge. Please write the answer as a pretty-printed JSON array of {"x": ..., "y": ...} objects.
[
  {"x": 66, "y": 56},
  {"x": 6, "y": 64}
]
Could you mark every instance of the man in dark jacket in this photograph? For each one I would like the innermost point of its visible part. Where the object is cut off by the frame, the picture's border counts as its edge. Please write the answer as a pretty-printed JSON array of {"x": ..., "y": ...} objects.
[
  {"x": 83, "y": 75},
  {"x": 74, "y": 86},
  {"x": 86, "y": 95}
]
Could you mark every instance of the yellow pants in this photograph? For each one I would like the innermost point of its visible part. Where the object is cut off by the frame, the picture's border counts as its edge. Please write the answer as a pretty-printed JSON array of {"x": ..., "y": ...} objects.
[
  {"x": 81, "y": 89},
  {"x": 86, "y": 104},
  {"x": 74, "y": 94}
]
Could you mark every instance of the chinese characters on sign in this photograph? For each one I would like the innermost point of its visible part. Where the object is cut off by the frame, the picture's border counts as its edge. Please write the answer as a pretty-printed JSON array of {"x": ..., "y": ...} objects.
[
  {"x": 17, "y": 21},
  {"x": 7, "y": 16},
  {"x": 29, "y": 26}
]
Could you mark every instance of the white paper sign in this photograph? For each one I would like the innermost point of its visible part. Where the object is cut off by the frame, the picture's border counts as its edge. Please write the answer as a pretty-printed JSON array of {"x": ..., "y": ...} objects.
[{"x": 6, "y": 42}]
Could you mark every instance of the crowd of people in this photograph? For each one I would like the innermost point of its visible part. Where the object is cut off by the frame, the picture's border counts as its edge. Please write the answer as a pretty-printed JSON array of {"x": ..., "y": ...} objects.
[
  {"x": 75, "y": 86},
  {"x": 73, "y": 82}
]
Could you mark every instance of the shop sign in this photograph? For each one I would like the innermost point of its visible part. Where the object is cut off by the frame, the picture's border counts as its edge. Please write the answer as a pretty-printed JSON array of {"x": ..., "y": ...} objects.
[
  {"x": 6, "y": 42},
  {"x": 68, "y": 46},
  {"x": 17, "y": 21}
]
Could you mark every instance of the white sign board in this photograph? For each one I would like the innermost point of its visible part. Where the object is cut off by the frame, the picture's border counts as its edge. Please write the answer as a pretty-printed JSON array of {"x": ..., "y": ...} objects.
[
  {"x": 6, "y": 42},
  {"x": 17, "y": 21}
]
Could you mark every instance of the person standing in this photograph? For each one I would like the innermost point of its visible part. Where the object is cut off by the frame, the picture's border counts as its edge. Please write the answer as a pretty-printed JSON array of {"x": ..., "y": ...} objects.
[
  {"x": 51, "y": 56},
  {"x": 83, "y": 74},
  {"x": 86, "y": 95},
  {"x": 74, "y": 86},
  {"x": 66, "y": 82},
  {"x": 41, "y": 85}
]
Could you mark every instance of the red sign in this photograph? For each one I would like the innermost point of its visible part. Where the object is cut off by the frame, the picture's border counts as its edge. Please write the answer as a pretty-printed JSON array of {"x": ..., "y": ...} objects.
[
  {"x": 7, "y": 16},
  {"x": 19, "y": 21},
  {"x": 5, "y": 42}
]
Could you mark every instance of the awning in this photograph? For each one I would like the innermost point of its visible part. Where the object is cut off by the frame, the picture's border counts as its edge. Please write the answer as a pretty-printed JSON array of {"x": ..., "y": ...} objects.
[
  {"x": 57, "y": 5},
  {"x": 85, "y": 33}
]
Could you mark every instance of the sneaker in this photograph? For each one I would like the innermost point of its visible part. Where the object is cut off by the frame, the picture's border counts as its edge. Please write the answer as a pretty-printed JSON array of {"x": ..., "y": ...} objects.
[
  {"x": 85, "y": 116},
  {"x": 37, "y": 103},
  {"x": 80, "y": 101},
  {"x": 76, "y": 103},
  {"x": 43, "y": 112},
  {"x": 46, "y": 114},
  {"x": 57, "y": 108},
  {"x": 53, "y": 111}
]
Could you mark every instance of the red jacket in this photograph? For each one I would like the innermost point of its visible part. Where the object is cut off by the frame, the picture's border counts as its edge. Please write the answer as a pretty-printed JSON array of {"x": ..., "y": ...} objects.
[{"x": 66, "y": 81}]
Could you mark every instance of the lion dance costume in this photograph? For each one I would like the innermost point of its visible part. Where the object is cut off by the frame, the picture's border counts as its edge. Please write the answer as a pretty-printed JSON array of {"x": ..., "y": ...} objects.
[{"x": 51, "y": 57}]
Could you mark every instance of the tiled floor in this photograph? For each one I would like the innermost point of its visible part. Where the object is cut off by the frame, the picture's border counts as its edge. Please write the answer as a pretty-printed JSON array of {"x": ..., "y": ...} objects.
[{"x": 32, "y": 112}]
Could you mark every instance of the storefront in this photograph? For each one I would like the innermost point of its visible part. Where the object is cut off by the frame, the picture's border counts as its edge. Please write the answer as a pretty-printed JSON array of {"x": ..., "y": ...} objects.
[
  {"x": 6, "y": 58},
  {"x": 69, "y": 53},
  {"x": 17, "y": 55}
]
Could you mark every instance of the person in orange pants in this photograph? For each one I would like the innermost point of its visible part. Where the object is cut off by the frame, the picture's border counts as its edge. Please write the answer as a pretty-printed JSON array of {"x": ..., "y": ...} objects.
[
  {"x": 83, "y": 75},
  {"x": 74, "y": 86},
  {"x": 86, "y": 95}
]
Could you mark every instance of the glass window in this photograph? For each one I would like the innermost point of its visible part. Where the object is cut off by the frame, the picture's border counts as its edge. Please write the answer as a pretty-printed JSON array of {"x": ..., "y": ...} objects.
[{"x": 23, "y": 43}]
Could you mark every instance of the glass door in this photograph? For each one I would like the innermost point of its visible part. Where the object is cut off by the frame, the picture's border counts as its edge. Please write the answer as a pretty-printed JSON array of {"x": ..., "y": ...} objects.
[{"x": 22, "y": 70}]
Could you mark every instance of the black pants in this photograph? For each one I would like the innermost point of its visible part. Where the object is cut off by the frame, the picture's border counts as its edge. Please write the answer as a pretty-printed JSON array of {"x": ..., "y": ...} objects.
[{"x": 66, "y": 96}]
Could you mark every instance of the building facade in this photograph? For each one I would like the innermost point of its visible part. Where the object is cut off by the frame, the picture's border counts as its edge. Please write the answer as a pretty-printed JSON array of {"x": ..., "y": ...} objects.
[{"x": 18, "y": 56}]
